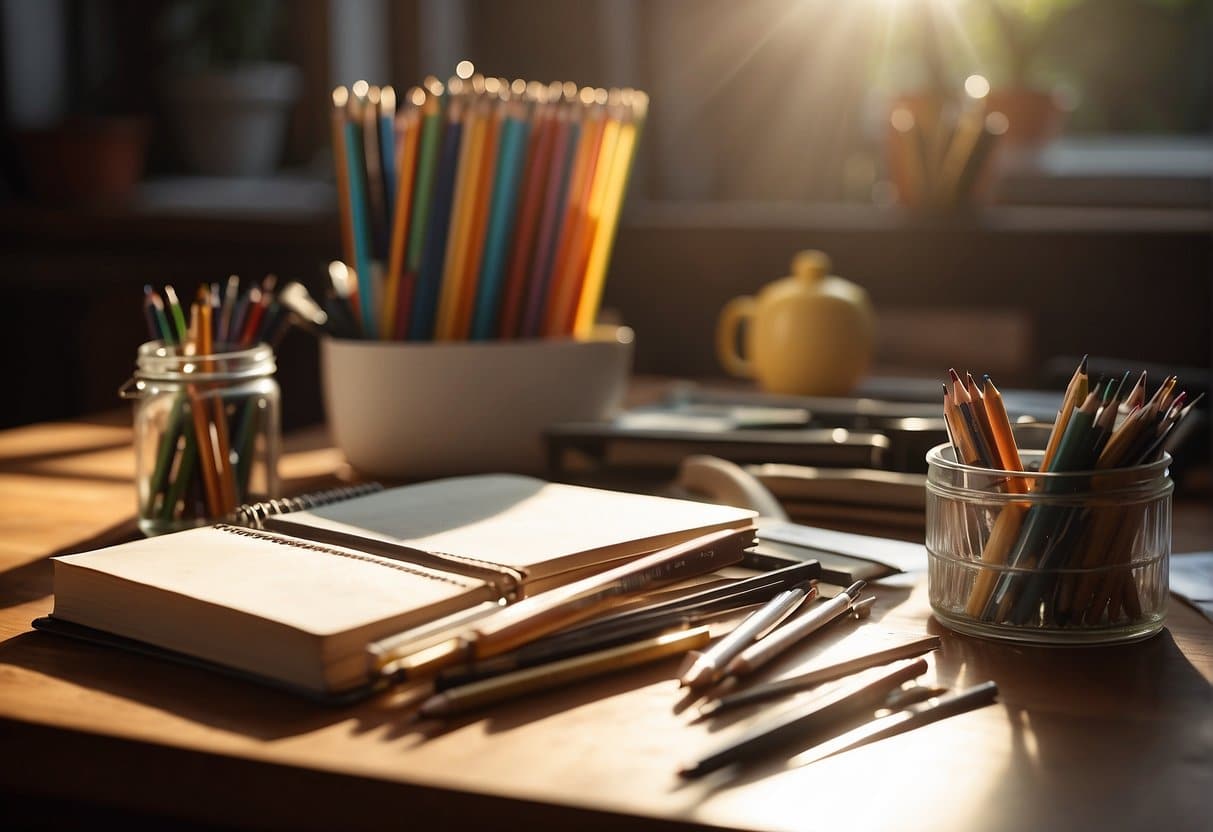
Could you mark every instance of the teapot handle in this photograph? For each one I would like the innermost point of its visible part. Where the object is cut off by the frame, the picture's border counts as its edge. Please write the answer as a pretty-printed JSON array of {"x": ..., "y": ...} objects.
[{"x": 731, "y": 317}]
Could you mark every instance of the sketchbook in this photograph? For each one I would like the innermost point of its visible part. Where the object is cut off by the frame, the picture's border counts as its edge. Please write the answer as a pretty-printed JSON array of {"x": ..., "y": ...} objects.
[{"x": 297, "y": 590}]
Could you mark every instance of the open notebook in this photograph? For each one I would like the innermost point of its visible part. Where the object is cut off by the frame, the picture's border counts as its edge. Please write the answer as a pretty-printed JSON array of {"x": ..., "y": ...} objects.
[{"x": 299, "y": 599}]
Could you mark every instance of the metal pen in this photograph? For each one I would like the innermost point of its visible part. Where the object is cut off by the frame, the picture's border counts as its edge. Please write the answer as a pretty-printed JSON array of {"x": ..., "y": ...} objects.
[
  {"x": 759, "y": 653},
  {"x": 708, "y": 666}
]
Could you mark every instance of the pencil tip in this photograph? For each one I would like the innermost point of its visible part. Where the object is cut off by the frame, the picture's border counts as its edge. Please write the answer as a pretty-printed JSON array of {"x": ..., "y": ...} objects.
[
  {"x": 955, "y": 376},
  {"x": 1082, "y": 366}
]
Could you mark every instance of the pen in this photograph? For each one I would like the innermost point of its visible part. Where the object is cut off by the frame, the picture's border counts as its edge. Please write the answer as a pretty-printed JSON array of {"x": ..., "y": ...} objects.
[
  {"x": 758, "y": 654},
  {"x": 816, "y": 718},
  {"x": 476, "y": 694},
  {"x": 819, "y": 675},
  {"x": 915, "y": 716},
  {"x": 708, "y": 665}
]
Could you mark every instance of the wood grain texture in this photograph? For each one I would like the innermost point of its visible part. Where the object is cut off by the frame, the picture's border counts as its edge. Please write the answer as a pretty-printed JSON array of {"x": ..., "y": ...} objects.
[{"x": 1091, "y": 738}]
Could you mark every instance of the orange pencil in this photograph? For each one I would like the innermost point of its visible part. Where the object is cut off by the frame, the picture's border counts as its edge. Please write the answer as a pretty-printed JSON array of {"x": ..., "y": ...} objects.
[
  {"x": 222, "y": 444},
  {"x": 575, "y": 207},
  {"x": 406, "y": 165},
  {"x": 202, "y": 427},
  {"x": 466, "y": 299},
  {"x": 573, "y": 279},
  {"x": 341, "y": 98},
  {"x": 1004, "y": 437},
  {"x": 636, "y": 107}
]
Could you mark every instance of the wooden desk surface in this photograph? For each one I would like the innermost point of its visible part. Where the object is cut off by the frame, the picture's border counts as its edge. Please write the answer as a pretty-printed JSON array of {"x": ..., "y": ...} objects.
[{"x": 1095, "y": 738}]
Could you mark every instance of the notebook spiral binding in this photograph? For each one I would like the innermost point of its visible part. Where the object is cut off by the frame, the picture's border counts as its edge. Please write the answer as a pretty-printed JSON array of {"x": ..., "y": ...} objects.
[
  {"x": 259, "y": 534},
  {"x": 253, "y": 515}
]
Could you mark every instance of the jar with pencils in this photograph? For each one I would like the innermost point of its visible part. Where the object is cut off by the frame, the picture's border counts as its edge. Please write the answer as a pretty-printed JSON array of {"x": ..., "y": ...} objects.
[
  {"x": 207, "y": 433},
  {"x": 1065, "y": 545}
]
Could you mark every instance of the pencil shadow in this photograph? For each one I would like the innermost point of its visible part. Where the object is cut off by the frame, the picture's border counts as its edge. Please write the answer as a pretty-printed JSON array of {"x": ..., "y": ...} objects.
[
  {"x": 537, "y": 706},
  {"x": 195, "y": 694},
  {"x": 773, "y": 761}
]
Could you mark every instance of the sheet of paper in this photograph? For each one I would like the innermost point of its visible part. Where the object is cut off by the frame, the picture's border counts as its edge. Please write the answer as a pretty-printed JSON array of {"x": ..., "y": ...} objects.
[
  {"x": 897, "y": 554},
  {"x": 1192, "y": 580}
]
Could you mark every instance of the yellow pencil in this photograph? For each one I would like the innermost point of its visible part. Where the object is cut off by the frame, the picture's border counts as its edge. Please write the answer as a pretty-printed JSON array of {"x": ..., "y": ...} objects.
[
  {"x": 406, "y": 167},
  {"x": 461, "y": 217},
  {"x": 604, "y": 234},
  {"x": 571, "y": 281},
  {"x": 1076, "y": 393},
  {"x": 465, "y": 301}
]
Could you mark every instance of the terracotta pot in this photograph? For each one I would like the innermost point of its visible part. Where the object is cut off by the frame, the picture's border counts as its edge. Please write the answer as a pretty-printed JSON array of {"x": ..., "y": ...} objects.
[
  {"x": 85, "y": 159},
  {"x": 1036, "y": 116}
]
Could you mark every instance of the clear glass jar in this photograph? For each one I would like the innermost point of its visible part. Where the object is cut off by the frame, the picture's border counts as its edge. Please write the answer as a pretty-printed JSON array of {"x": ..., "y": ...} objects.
[
  {"x": 1063, "y": 558},
  {"x": 207, "y": 434}
]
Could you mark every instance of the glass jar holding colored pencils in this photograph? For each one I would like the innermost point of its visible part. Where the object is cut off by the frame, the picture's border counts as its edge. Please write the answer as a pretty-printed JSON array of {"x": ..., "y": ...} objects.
[
  {"x": 207, "y": 415},
  {"x": 1064, "y": 545}
]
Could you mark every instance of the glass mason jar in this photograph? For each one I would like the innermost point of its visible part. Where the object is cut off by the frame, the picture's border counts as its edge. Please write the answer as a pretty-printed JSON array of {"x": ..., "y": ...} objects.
[
  {"x": 1063, "y": 558},
  {"x": 207, "y": 434}
]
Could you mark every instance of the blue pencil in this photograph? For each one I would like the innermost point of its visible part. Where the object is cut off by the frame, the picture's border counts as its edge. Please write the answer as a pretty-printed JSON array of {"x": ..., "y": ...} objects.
[
  {"x": 359, "y": 215},
  {"x": 425, "y": 297},
  {"x": 502, "y": 211},
  {"x": 387, "y": 149}
]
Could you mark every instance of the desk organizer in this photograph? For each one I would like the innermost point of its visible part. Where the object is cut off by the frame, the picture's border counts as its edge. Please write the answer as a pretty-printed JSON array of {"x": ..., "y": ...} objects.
[{"x": 1056, "y": 558}]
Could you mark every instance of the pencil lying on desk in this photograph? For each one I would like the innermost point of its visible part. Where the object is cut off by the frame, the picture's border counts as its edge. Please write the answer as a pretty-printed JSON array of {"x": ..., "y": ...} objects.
[
  {"x": 549, "y": 611},
  {"x": 821, "y": 717},
  {"x": 555, "y": 674}
]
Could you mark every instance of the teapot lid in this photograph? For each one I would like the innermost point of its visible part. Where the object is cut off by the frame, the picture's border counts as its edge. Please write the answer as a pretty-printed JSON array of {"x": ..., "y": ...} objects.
[{"x": 811, "y": 264}]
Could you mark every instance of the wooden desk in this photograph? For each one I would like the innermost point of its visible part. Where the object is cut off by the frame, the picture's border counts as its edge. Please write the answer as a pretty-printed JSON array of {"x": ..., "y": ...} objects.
[{"x": 1098, "y": 738}]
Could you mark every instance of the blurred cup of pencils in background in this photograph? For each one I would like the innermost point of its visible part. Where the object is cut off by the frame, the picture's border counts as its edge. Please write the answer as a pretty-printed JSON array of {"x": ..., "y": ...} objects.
[{"x": 941, "y": 149}]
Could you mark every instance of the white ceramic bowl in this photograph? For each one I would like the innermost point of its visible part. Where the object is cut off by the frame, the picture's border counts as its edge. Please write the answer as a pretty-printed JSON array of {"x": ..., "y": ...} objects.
[{"x": 417, "y": 410}]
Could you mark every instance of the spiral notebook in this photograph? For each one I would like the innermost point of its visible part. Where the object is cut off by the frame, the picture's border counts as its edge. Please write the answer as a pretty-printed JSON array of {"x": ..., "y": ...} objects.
[{"x": 297, "y": 592}]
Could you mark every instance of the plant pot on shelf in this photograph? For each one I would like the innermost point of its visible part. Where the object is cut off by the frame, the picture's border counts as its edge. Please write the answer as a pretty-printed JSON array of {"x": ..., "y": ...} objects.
[
  {"x": 1035, "y": 117},
  {"x": 85, "y": 159},
  {"x": 232, "y": 122}
]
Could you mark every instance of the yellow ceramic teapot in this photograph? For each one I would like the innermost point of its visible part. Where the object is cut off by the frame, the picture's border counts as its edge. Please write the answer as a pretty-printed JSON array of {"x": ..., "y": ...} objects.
[{"x": 807, "y": 334}]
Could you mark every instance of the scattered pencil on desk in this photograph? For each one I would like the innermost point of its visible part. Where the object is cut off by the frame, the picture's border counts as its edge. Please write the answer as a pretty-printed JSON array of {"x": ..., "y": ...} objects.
[
  {"x": 818, "y": 719},
  {"x": 495, "y": 689},
  {"x": 479, "y": 208}
]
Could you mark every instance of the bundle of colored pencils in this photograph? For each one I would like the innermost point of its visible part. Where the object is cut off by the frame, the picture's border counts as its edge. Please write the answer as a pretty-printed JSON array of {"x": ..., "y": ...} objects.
[
  {"x": 478, "y": 209},
  {"x": 1101, "y": 428},
  {"x": 203, "y": 461},
  {"x": 938, "y": 157}
]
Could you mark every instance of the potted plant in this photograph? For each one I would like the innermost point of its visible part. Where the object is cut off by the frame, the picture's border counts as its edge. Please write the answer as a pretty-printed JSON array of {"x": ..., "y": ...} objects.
[
  {"x": 227, "y": 93},
  {"x": 1034, "y": 109}
]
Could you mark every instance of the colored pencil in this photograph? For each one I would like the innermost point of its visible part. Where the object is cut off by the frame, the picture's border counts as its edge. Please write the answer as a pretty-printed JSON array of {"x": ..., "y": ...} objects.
[
  {"x": 429, "y": 277},
  {"x": 604, "y": 237},
  {"x": 502, "y": 211},
  {"x": 477, "y": 209},
  {"x": 543, "y": 138}
]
